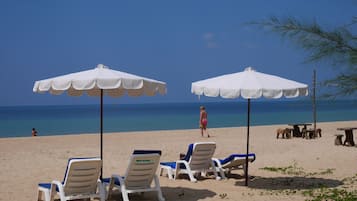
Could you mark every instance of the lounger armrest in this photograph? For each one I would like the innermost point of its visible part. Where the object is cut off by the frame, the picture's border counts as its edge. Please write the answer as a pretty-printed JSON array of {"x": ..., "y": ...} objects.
[
  {"x": 121, "y": 182},
  {"x": 112, "y": 184},
  {"x": 56, "y": 185},
  {"x": 252, "y": 155},
  {"x": 181, "y": 162},
  {"x": 178, "y": 164},
  {"x": 253, "y": 158},
  {"x": 120, "y": 178},
  {"x": 244, "y": 156},
  {"x": 101, "y": 189},
  {"x": 217, "y": 162}
]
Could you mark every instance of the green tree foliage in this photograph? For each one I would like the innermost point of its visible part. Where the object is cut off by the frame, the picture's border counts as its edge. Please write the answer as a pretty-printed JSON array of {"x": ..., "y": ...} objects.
[{"x": 338, "y": 46}]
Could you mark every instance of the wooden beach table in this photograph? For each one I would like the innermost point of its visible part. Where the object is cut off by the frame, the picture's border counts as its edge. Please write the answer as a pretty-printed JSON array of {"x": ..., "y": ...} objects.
[
  {"x": 296, "y": 128},
  {"x": 349, "y": 135}
]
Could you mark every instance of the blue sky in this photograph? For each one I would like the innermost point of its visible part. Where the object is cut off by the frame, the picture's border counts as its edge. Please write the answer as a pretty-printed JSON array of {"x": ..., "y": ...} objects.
[{"x": 177, "y": 42}]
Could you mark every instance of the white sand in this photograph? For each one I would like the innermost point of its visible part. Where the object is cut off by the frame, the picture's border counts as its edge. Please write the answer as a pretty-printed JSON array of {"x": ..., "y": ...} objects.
[{"x": 27, "y": 161}]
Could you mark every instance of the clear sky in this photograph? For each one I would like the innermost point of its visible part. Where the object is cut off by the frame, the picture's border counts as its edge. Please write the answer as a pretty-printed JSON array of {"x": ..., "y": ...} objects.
[{"x": 177, "y": 42}]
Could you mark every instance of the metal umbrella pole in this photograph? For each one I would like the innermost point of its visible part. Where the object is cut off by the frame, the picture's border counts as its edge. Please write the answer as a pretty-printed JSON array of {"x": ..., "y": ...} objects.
[
  {"x": 101, "y": 132},
  {"x": 314, "y": 101},
  {"x": 246, "y": 157}
]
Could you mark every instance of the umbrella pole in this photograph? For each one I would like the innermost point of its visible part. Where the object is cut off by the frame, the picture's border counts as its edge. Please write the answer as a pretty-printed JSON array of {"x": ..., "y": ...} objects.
[
  {"x": 246, "y": 157},
  {"x": 314, "y": 100},
  {"x": 101, "y": 132}
]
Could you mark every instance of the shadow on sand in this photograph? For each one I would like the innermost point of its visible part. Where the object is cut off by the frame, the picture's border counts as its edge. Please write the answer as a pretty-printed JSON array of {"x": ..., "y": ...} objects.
[
  {"x": 169, "y": 193},
  {"x": 289, "y": 183}
]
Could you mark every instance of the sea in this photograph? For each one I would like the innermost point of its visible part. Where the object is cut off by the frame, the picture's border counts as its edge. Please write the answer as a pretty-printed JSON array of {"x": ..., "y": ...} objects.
[{"x": 18, "y": 121}]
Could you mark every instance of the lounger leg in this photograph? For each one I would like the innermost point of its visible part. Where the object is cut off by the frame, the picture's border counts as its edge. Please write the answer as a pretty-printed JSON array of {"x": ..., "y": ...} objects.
[
  {"x": 176, "y": 173},
  {"x": 244, "y": 169},
  {"x": 53, "y": 193},
  {"x": 124, "y": 194},
  {"x": 215, "y": 171},
  {"x": 189, "y": 172},
  {"x": 101, "y": 191},
  {"x": 192, "y": 178},
  {"x": 110, "y": 188},
  {"x": 218, "y": 167},
  {"x": 204, "y": 174},
  {"x": 158, "y": 188},
  {"x": 46, "y": 193},
  {"x": 170, "y": 174},
  {"x": 161, "y": 171},
  {"x": 47, "y": 196},
  {"x": 39, "y": 195},
  {"x": 222, "y": 173}
]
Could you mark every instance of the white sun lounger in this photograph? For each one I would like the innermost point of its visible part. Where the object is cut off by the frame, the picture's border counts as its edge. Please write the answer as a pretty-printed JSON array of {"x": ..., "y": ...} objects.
[
  {"x": 197, "y": 160},
  {"x": 232, "y": 162},
  {"x": 81, "y": 181},
  {"x": 139, "y": 175}
]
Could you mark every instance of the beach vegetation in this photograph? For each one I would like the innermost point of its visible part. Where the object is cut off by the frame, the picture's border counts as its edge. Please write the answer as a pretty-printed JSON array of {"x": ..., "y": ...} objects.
[
  {"x": 330, "y": 194},
  {"x": 337, "y": 45},
  {"x": 322, "y": 193},
  {"x": 297, "y": 171},
  {"x": 350, "y": 180}
]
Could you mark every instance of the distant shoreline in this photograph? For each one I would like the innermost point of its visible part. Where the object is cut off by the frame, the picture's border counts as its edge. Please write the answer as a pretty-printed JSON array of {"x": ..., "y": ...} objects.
[
  {"x": 64, "y": 120},
  {"x": 352, "y": 122}
]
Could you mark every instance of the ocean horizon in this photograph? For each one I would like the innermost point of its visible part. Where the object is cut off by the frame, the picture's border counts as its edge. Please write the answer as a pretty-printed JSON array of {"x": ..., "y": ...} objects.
[{"x": 17, "y": 121}]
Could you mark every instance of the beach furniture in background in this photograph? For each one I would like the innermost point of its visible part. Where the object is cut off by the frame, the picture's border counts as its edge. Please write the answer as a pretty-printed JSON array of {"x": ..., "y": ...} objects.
[
  {"x": 311, "y": 133},
  {"x": 139, "y": 176},
  {"x": 348, "y": 135},
  {"x": 232, "y": 162},
  {"x": 297, "y": 132},
  {"x": 284, "y": 132},
  {"x": 198, "y": 160},
  {"x": 249, "y": 84},
  {"x": 101, "y": 81},
  {"x": 81, "y": 181}
]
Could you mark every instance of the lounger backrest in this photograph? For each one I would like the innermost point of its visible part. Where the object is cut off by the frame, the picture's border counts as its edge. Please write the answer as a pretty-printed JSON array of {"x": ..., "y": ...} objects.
[
  {"x": 233, "y": 157},
  {"x": 82, "y": 176},
  {"x": 236, "y": 160},
  {"x": 202, "y": 154},
  {"x": 142, "y": 168}
]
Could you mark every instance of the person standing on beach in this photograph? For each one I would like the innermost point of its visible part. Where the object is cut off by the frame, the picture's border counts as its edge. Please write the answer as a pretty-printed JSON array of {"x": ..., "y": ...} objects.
[
  {"x": 34, "y": 132},
  {"x": 203, "y": 121}
]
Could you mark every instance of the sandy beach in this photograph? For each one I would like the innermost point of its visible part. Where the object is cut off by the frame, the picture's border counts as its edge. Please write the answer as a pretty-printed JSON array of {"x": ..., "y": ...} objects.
[{"x": 313, "y": 162}]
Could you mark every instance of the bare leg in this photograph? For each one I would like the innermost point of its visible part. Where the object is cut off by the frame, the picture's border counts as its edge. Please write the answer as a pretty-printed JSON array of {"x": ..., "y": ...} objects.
[{"x": 206, "y": 132}]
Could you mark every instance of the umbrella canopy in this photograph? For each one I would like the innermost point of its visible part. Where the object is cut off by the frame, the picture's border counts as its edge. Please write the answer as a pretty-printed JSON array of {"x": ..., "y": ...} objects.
[
  {"x": 249, "y": 84},
  {"x": 113, "y": 83},
  {"x": 98, "y": 82}
]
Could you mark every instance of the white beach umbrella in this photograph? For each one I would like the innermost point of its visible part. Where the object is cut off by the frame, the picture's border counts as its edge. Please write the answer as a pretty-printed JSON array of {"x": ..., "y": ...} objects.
[
  {"x": 100, "y": 81},
  {"x": 249, "y": 84}
]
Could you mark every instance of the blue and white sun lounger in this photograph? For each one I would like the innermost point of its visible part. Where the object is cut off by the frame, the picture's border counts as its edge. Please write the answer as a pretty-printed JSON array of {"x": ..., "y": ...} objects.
[
  {"x": 139, "y": 175},
  {"x": 81, "y": 181},
  {"x": 234, "y": 161},
  {"x": 197, "y": 160}
]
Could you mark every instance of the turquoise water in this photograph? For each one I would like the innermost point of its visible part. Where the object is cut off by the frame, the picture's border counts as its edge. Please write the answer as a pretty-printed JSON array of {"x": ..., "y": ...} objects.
[{"x": 17, "y": 121}]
